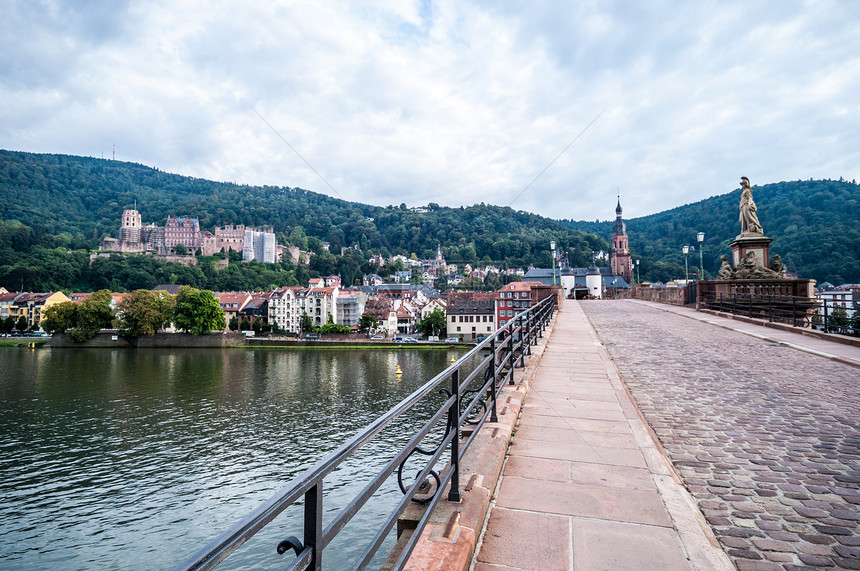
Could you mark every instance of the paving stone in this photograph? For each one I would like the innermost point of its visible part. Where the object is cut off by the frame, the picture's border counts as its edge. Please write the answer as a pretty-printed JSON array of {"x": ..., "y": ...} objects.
[
  {"x": 789, "y": 434},
  {"x": 816, "y": 560}
]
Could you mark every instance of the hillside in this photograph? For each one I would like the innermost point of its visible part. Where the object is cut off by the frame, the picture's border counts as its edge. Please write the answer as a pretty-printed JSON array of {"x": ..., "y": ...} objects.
[
  {"x": 54, "y": 203},
  {"x": 813, "y": 223}
]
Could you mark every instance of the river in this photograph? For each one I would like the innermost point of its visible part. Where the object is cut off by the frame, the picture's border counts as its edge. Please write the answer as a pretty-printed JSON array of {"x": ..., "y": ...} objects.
[{"x": 134, "y": 459}]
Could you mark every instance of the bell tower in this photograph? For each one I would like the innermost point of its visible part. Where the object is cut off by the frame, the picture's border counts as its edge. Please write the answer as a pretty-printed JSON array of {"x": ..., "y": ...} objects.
[{"x": 619, "y": 258}]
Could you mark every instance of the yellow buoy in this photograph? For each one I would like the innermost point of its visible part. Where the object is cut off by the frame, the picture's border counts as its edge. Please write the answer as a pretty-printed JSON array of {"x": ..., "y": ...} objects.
[
  {"x": 399, "y": 372},
  {"x": 453, "y": 360}
]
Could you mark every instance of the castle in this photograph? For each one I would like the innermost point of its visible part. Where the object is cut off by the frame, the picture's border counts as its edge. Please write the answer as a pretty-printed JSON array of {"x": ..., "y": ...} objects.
[{"x": 135, "y": 238}]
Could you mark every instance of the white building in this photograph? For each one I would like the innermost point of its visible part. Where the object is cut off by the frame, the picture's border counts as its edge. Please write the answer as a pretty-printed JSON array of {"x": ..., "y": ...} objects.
[{"x": 259, "y": 246}]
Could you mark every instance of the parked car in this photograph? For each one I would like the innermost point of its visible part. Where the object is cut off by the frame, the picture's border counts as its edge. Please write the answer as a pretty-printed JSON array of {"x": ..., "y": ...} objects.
[
  {"x": 452, "y": 340},
  {"x": 481, "y": 338},
  {"x": 377, "y": 338},
  {"x": 410, "y": 340}
]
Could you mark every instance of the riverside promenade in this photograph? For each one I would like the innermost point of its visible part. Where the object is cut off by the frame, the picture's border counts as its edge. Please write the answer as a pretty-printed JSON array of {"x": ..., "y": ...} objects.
[
  {"x": 586, "y": 486},
  {"x": 742, "y": 449}
]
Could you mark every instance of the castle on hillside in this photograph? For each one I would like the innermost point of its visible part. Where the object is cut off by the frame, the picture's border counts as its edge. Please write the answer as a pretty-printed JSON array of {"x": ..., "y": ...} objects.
[{"x": 135, "y": 238}]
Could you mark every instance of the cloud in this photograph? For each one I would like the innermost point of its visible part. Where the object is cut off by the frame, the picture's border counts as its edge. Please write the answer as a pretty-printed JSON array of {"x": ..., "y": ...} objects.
[{"x": 455, "y": 103}]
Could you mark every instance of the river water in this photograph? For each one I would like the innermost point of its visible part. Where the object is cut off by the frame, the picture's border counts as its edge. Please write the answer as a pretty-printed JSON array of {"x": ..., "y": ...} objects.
[{"x": 134, "y": 459}]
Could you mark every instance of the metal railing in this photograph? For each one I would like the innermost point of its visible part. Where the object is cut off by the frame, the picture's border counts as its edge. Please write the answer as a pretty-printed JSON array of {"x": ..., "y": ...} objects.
[
  {"x": 507, "y": 347},
  {"x": 794, "y": 310}
]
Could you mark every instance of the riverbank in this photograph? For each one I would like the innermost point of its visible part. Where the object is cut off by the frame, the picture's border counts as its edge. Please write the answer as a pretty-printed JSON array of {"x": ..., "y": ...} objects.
[
  {"x": 222, "y": 340},
  {"x": 23, "y": 342}
]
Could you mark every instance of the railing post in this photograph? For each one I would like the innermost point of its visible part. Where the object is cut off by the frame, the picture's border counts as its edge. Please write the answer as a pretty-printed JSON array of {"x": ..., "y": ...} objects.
[
  {"x": 493, "y": 417},
  {"x": 529, "y": 331},
  {"x": 511, "y": 359},
  {"x": 313, "y": 524},
  {"x": 826, "y": 330},
  {"x": 454, "y": 420}
]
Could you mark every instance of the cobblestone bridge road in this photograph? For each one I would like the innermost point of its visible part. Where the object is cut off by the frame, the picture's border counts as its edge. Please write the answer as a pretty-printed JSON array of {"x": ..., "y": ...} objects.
[{"x": 766, "y": 438}]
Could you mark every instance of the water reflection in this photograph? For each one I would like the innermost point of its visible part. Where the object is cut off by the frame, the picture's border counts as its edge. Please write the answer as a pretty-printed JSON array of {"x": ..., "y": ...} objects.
[{"x": 132, "y": 459}]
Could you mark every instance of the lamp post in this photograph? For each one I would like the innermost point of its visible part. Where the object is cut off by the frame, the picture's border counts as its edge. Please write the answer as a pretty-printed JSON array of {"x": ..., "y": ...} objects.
[
  {"x": 552, "y": 249},
  {"x": 638, "y": 276},
  {"x": 686, "y": 250},
  {"x": 701, "y": 237}
]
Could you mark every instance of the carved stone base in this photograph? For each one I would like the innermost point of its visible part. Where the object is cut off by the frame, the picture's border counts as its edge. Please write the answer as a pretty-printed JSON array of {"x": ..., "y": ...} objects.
[{"x": 759, "y": 245}]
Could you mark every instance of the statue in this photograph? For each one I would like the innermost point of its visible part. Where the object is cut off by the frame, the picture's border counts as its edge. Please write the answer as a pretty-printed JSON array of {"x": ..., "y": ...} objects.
[
  {"x": 748, "y": 217},
  {"x": 778, "y": 267},
  {"x": 726, "y": 272}
]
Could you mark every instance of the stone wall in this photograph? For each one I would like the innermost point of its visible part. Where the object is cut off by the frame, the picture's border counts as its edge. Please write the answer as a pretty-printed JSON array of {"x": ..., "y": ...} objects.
[
  {"x": 159, "y": 340},
  {"x": 668, "y": 295}
]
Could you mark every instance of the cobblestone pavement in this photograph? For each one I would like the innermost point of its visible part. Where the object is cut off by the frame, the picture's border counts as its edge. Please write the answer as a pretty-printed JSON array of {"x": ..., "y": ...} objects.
[{"x": 766, "y": 438}]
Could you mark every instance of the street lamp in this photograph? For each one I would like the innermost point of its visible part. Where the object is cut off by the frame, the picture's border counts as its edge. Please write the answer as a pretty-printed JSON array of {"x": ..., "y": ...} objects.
[
  {"x": 638, "y": 276},
  {"x": 701, "y": 237},
  {"x": 686, "y": 250},
  {"x": 552, "y": 248}
]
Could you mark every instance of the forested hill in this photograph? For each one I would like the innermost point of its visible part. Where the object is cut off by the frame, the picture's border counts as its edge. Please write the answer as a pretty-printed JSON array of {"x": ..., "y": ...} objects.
[
  {"x": 54, "y": 201},
  {"x": 815, "y": 226}
]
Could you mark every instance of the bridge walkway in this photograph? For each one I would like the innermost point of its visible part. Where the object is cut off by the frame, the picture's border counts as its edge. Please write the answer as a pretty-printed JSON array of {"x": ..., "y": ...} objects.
[{"x": 586, "y": 485}]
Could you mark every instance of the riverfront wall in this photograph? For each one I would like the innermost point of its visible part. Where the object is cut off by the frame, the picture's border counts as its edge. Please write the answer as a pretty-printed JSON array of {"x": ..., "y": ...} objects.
[{"x": 159, "y": 340}]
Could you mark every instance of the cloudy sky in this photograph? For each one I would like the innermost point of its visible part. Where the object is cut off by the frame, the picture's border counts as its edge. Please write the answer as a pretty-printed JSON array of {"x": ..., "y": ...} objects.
[{"x": 666, "y": 102}]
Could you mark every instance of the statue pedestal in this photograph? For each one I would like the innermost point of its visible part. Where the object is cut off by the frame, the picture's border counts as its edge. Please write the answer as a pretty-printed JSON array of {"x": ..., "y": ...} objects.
[{"x": 759, "y": 245}]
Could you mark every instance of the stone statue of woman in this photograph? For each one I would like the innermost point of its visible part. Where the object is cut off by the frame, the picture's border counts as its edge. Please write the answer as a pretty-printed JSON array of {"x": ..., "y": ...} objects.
[{"x": 750, "y": 225}]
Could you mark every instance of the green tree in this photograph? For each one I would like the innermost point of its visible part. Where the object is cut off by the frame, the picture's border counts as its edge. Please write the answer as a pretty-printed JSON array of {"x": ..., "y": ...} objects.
[
  {"x": 434, "y": 324},
  {"x": 246, "y": 323},
  {"x": 21, "y": 324},
  {"x": 60, "y": 317},
  {"x": 257, "y": 326},
  {"x": 8, "y": 324},
  {"x": 180, "y": 249},
  {"x": 144, "y": 312},
  {"x": 838, "y": 318},
  {"x": 332, "y": 327},
  {"x": 367, "y": 322},
  {"x": 197, "y": 311},
  {"x": 94, "y": 314},
  {"x": 234, "y": 324},
  {"x": 305, "y": 323}
]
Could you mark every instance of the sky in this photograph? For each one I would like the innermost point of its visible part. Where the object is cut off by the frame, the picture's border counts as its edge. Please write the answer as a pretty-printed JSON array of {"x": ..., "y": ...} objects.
[{"x": 554, "y": 108}]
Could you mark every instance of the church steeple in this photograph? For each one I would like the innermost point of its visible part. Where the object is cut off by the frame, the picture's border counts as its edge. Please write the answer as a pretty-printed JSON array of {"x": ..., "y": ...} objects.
[{"x": 620, "y": 259}]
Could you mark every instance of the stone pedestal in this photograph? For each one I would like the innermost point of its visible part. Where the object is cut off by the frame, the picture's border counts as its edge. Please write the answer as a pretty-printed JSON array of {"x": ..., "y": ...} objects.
[{"x": 759, "y": 245}]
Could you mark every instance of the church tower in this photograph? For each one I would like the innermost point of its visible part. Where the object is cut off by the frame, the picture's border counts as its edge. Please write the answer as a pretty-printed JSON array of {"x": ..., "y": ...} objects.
[{"x": 620, "y": 260}]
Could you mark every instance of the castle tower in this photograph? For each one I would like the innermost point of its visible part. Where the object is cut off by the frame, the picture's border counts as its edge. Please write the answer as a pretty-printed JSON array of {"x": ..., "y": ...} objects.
[
  {"x": 619, "y": 259},
  {"x": 130, "y": 231}
]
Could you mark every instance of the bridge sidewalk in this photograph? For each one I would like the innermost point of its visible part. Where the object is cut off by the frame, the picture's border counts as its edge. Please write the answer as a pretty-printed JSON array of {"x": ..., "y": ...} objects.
[
  {"x": 845, "y": 350},
  {"x": 586, "y": 486}
]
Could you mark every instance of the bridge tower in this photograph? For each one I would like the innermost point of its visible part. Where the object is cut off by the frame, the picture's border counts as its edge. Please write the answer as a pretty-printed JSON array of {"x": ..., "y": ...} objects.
[{"x": 619, "y": 259}]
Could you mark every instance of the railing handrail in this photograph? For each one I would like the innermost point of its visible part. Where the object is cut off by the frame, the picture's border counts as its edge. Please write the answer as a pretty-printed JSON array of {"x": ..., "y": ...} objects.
[{"x": 309, "y": 482}]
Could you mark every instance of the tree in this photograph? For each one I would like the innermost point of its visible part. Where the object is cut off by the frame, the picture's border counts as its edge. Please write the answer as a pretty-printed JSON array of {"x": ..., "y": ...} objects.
[
  {"x": 305, "y": 323},
  {"x": 8, "y": 324},
  {"x": 332, "y": 327},
  {"x": 144, "y": 312},
  {"x": 94, "y": 314},
  {"x": 180, "y": 249},
  {"x": 197, "y": 311},
  {"x": 21, "y": 324},
  {"x": 434, "y": 324},
  {"x": 60, "y": 317},
  {"x": 367, "y": 322},
  {"x": 234, "y": 324},
  {"x": 246, "y": 323},
  {"x": 838, "y": 319}
]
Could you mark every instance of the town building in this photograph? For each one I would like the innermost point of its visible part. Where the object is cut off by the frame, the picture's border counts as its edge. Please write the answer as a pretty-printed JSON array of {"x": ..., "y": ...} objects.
[
  {"x": 471, "y": 314},
  {"x": 512, "y": 299}
]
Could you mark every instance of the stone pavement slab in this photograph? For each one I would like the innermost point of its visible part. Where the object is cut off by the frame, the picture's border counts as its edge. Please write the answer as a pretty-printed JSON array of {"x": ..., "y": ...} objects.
[{"x": 585, "y": 485}]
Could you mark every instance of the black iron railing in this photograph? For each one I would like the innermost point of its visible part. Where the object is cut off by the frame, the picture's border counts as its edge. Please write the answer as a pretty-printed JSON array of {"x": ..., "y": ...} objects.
[
  {"x": 795, "y": 310},
  {"x": 507, "y": 347}
]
